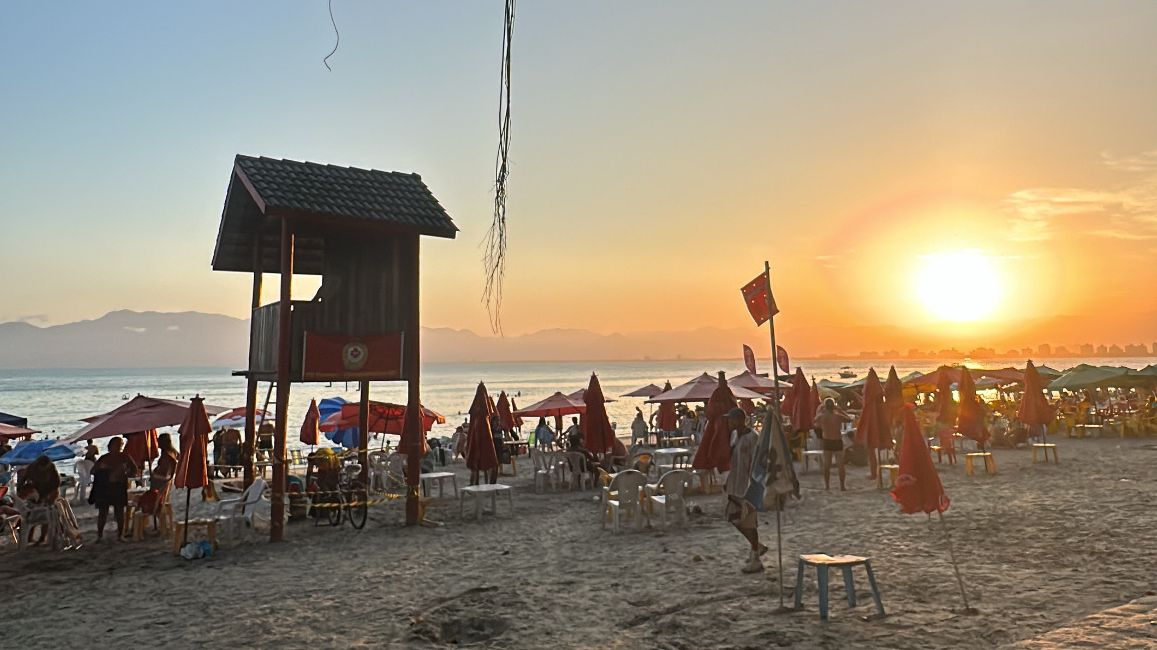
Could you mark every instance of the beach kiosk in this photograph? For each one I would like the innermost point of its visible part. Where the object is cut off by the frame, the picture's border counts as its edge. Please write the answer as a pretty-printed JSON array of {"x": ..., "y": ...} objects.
[{"x": 360, "y": 230}]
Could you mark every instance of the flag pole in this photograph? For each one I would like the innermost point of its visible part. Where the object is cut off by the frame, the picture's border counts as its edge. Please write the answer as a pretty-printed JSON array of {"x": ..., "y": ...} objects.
[
  {"x": 777, "y": 421},
  {"x": 955, "y": 565}
]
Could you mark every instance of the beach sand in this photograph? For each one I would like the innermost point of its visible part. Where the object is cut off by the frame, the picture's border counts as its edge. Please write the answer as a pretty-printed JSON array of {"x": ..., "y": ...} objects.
[{"x": 1041, "y": 547}]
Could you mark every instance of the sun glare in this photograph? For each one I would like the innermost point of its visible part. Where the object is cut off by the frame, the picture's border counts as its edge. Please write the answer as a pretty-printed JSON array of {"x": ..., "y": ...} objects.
[{"x": 959, "y": 286}]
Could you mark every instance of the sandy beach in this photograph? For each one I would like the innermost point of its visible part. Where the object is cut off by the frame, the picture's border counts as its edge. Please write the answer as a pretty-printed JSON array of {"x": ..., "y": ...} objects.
[{"x": 1042, "y": 547}]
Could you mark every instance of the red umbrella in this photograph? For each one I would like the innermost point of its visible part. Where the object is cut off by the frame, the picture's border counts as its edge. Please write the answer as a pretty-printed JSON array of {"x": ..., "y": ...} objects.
[
  {"x": 650, "y": 390},
  {"x": 138, "y": 414},
  {"x": 894, "y": 396},
  {"x": 801, "y": 410},
  {"x": 815, "y": 397},
  {"x": 970, "y": 414},
  {"x": 192, "y": 472},
  {"x": 1034, "y": 409},
  {"x": 505, "y": 416},
  {"x": 715, "y": 447},
  {"x": 667, "y": 420},
  {"x": 309, "y": 428},
  {"x": 517, "y": 419},
  {"x": 872, "y": 430},
  {"x": 384, "y": 418},
  {"x": 480, "y": 452},
  {"x": 918, "y": 488},
  {"x": 700, "y": 389},
  {"x": 555, "y": 406},
  {"x": 142, "y": 446},
  {"x": 756, "y": 383},
  {"x": 597, "y": 433},
  {"x": 9, "y": 431}
]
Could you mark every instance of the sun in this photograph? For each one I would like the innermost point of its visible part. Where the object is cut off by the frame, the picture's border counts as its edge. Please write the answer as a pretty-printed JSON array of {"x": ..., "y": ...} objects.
[{"x": 960, "y": 286}]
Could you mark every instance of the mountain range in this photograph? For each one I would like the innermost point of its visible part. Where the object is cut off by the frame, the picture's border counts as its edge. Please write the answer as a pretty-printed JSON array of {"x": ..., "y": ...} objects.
[{"x": 130, "y": 339}]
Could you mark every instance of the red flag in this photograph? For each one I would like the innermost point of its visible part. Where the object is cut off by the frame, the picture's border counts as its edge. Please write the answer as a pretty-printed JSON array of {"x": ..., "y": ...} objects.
[
  {"x": 757, "y": 295},
  {"x": 749, "y": 359},
  {"x": 781, "y": 359}
]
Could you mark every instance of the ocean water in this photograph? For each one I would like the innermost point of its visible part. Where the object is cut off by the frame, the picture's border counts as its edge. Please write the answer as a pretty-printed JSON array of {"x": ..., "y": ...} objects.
[{"x": 55, "y": 400}]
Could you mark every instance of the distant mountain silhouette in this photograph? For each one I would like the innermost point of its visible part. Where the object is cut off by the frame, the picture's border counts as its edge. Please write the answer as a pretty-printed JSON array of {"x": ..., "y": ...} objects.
[{"x": 129, "y": 339}]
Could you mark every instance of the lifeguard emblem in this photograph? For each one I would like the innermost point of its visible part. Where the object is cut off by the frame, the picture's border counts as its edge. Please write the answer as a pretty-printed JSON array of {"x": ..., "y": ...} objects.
[{"x": 354, "y": 355}]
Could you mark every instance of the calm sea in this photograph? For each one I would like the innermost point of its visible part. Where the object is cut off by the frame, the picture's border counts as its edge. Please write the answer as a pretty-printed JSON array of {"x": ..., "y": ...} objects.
[{"x": 55, "y": 400}]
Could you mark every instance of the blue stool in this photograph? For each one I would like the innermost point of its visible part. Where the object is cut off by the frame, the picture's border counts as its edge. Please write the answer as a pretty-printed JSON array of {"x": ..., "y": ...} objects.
[{"x": 822, "y": 562}]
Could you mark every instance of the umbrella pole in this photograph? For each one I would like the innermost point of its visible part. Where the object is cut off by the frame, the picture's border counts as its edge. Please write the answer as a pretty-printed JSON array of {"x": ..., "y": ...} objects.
[
  {"x": 955, "y": 565},
  {"x": 779, "y": 546},
  {"x": 188, "y": 495}
]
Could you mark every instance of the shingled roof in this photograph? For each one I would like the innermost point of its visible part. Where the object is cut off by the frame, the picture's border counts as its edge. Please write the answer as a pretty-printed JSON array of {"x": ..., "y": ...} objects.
[{"x": 264, "y": 190}]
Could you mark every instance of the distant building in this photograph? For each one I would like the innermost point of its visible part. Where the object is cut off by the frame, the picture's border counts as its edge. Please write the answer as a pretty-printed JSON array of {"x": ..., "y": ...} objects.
[
  {"x": 1115, "y": 350},
  {"x": 1087, "y": 350},
  {"x": 891, "y": 354},
  {"x": 870, "y": 354},
  {"x": 1136, "y": 350},
  {"x": 982, "y": 353},
  {"x": 1102, "y": 350},
  {"x": 1044, "y": 350},
  {"x": 916, "y": 354},
  {"x": 1027, "y": 352},
  {"x": 1062, "y": 351},
  {"x": 1012, "y": 353}
]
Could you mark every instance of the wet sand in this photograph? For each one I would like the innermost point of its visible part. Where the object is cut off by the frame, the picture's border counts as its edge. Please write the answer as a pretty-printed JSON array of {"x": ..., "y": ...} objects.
[{"x": 1041, "y": 547}]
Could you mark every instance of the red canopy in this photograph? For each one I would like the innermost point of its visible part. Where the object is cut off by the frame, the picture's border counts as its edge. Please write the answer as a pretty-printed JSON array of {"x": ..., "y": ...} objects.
[
  {"x": 384, "y": 418},
  {"x": 803, "y": 414},
  {"x": 598, "y": 436},
  {"x": 650, "y": 390},
  {"x": 8, "y": 432},
  {"x": 191, "y": 470},
  {"x": 755, "y": 383},
  {"x": 667, "y": 420},
  {"x": 1034, "y": 409},
  {"x": 556, "y": 405},
  {"x": 715, "y": 447},
  {"x": 700, "y": 389},
  {"x": 970, "y": 414},
  {"x": 918, "y": 487},
  {"x": 142, "y": 446},
  {"x": 309, "y": 428},
  {"x": 505, "y": 415},
  {"x": 873, "y": 430},
  {"x": 894, "y": 396},
  {"x": 138, "y": 414},
  {"x": 480, "y": 452}
]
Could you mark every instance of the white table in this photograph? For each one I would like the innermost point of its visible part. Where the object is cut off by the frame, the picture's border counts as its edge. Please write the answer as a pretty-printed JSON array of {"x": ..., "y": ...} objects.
[
  {"x": 440, "y": 477},
  {"x": 477, "y": 491}
]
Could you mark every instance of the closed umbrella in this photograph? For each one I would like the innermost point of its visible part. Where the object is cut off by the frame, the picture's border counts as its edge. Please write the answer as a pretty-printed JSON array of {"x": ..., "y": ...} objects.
[
  {"x": 945, "y": 404},
  {"x": 142, "y": 447},
  {"x": 667, "y": 420},
  {"x": 918, "y": 488},
  {"x": 1034, "y": 410},
  {"x": 894, "y": 397},
  {"x": 715, "y": 448},
  {"x": 970, "y": 414},
  {"x": 518, "y": 422},
  {"x": 310, "y": 427},
  {"x": 872, "y": 429},
  {"x": 801, "y": 410},
  {"x": 505, "y": 414},
  {"x": 480, "y": 453},
  {"x": 192, "y": 472},
  {"x": 598, "y": 436}
]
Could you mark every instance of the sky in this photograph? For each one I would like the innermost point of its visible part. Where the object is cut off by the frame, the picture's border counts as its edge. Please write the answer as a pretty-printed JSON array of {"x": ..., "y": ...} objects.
[{"x": 661, "y": 152}]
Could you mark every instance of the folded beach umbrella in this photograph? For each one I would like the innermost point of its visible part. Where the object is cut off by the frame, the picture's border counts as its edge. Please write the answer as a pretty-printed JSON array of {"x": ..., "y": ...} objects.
[
  {"x": 970, "y": 413},
  {"x": 872, "y": 429},
  {"x": 598, "y": 436},
  {"x": 192, "y": 472},
  {"x": 1034, "y": 409},
  {"x": 667, "y": 420},
  {"x": 518, "y": 422},
  {"x": 27, "y": 451},
  {"x": 945, "y": 405},
  {"x": 918, "y": 487},
  {"x": 142, "y": 446},
  {"x": 480, "y": 452},
  {"x": 815, "y": 397},
  {"x": 505, "y": 414},
  {"x": 715, "y": 447},
  {"x": 801, "y": 410},
  {"x": 894, "y": 397},
  {"x": 309, "y": 428}
]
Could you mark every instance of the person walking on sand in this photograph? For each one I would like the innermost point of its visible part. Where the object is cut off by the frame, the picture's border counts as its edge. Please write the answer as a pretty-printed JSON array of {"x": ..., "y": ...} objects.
[
  {"x": 830, "y": 421},
  {"x": 739, "y": 511}
]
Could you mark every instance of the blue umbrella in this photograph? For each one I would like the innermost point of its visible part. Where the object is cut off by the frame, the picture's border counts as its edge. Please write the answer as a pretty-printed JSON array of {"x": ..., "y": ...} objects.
[
  {"x": 347, "y": 438},
  {"x": 27, "y": 451}
]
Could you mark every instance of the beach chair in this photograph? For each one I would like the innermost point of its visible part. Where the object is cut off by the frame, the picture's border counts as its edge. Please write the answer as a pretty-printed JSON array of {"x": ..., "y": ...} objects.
[
  {"x": 83, "y": 479},
  {"x": 241, "y": 511},
  {"x": 668, "y": 494},
  {"x": 546, "y": 470},
  {"x": 625, "y": 492},
  {"x": 678, "y": 461},
  {"x": 395, "y": 470},
  {"x": 579, "y": 475}
]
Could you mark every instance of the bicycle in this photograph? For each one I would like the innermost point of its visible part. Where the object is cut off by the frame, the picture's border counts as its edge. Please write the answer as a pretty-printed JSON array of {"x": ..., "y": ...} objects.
[{"x": 352, "y": 494}]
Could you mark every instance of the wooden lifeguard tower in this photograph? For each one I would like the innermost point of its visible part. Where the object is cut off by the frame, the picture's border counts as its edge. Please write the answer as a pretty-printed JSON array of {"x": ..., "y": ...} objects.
[{"x": 359, "y": 230}]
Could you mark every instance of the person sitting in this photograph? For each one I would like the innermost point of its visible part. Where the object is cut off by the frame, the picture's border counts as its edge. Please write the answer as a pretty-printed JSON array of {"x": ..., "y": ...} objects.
[
  {"x": 573, "y": 433},
  {"x": 231, "y": 443},
  {"x": 41, "y": 486},
  {"x": 543, "y": 435}
]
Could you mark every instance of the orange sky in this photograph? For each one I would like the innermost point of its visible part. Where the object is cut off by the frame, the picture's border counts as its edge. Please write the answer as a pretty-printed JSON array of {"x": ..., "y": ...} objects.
[{"x": 660, "y": 153}]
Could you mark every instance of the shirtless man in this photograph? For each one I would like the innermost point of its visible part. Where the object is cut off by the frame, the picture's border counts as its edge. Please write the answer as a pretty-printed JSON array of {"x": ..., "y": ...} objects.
[{"x": 831, "y": 421}]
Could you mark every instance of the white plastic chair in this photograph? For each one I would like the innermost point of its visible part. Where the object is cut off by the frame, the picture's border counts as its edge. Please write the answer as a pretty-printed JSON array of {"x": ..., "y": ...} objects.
[
  {"x": 243, "y": 509},
  {"x": 396, "y": 470},
  {"x": 579, "y": 475},
  {"x": 83, "y": 479},
  {"x": 545, "y": 470},
  {"x": 625, "y": 491},
  {"x": 668, "y": 494}
]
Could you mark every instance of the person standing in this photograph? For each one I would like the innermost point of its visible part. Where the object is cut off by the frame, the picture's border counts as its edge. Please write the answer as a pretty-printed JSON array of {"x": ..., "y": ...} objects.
[
  {"x": 830, "y": 421},
  {"x": 739, "y": 511},
  {"x": 639, "y": 429},
  {"x": 110, "y": 487}
]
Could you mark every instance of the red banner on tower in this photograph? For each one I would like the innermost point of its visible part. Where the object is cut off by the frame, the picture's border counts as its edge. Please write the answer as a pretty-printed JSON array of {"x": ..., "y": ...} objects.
[
  {"x": 760, "y": 302},
  {"x": 749, "y": 358}
]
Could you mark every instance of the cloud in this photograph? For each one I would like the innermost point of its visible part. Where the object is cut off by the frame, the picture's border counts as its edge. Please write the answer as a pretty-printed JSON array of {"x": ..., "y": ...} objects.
[{"x": 1126, "y": 212}]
